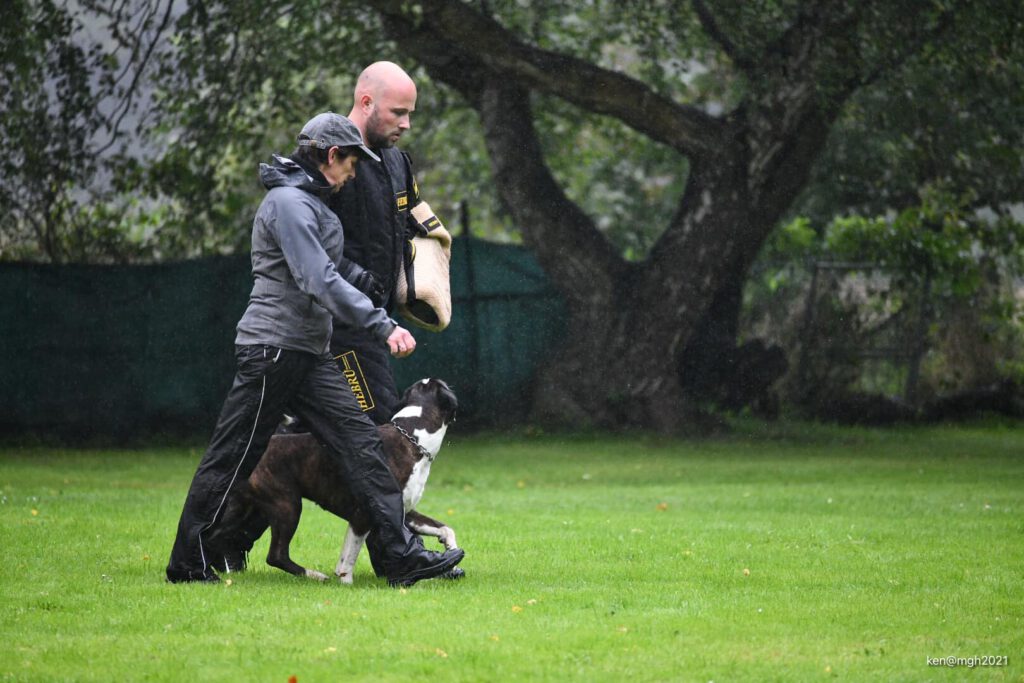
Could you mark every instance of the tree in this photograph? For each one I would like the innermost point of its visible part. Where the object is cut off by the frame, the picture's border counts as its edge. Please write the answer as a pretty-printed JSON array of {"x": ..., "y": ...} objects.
[
  {"x": 795, "y": 65},
  {"x": 731, "y": 105}
]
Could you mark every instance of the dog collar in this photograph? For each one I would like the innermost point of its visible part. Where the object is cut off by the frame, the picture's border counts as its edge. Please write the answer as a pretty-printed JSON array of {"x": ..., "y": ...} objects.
[{"x": 415, "y": 442}]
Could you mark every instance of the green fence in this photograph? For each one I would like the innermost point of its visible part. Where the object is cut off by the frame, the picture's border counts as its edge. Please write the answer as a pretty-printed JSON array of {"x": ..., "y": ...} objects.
[{"x": 125, "y": 351}]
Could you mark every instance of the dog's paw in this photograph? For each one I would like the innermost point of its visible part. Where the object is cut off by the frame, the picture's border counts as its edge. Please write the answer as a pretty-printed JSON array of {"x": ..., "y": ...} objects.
[
  {"x": 447, "y": 536},
  {"x": 313, "y": 574},
  {"x": 344, "y": 577}
]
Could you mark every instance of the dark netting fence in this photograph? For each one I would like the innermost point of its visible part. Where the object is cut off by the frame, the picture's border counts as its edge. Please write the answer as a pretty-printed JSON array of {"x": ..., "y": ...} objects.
[{"x": 126, "y": 351}]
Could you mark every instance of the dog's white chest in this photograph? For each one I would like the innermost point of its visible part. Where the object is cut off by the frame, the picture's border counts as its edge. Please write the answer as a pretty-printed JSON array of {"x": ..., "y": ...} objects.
[
  {"x": 417, "y": 482},
  {"x": 431, "y": 443}
]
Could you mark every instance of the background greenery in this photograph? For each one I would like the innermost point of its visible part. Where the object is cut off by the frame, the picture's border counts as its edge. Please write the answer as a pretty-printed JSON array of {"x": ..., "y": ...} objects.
[
  {"x": 133, "y": 130},
  {"x": 132, "y": 124},
  {"x": 935, "y": 263},
  {"x": 785, "y": 553}
]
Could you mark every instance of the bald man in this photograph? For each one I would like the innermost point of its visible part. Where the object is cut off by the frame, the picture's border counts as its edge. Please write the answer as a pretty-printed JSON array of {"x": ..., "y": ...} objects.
[{"x": 374, "y": 210}]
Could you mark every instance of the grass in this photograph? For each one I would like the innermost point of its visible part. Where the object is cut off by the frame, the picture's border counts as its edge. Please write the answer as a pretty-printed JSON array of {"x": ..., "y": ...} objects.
[{"x": 807, "y": 554}]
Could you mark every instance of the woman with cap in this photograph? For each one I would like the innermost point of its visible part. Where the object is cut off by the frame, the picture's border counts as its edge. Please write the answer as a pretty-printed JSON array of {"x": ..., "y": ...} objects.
[{"x": 283, "y": 362}]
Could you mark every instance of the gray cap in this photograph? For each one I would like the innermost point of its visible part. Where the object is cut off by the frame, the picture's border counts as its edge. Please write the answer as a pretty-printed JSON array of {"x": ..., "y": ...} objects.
[{"x": 327, "y": 130}]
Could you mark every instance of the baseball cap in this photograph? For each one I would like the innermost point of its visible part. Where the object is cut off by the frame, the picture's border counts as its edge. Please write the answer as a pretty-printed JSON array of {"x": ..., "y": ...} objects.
[{"x": 327, "y": 130}]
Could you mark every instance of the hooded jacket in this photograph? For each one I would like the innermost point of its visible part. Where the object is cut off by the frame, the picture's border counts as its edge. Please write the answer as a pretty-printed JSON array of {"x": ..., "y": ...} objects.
[{"x": 297, "y": 245}]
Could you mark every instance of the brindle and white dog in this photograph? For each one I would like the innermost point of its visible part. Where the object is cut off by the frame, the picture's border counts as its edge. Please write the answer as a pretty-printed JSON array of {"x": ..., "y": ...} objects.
[{"x": 294, "y": 467}]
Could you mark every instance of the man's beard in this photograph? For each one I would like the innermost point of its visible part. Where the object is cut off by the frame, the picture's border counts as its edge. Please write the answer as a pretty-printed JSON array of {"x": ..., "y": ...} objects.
[{"x": 373, "y": 135}]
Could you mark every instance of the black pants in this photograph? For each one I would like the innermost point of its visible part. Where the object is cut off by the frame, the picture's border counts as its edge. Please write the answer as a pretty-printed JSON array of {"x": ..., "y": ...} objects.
[
  {"x": 366, "y": 367},
  {"x": 269, "y": 379}
]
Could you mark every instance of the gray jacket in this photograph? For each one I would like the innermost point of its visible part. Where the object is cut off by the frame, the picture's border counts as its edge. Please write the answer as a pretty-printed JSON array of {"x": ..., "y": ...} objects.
[{"x": 297, "y": 245}]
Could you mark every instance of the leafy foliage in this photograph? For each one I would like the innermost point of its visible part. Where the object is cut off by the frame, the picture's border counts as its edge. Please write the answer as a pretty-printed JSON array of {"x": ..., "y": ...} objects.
[
  {"x": 952, "y": 117},
  {"x": 215, "y": 87},
  {"x": 941, "y": 239},
  {"x": 960, "y": 263},
  {"x": 49, "y": 101}
]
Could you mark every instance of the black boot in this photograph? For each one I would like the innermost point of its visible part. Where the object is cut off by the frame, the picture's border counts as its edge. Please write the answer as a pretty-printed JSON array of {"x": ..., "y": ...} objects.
[
  {"x": 404, "y": 560},
  {"x": 429, "y": 565}
]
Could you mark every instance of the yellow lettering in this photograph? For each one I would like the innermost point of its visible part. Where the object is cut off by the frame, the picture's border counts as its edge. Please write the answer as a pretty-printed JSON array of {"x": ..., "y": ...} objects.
[{"x": 353, "y": 375}]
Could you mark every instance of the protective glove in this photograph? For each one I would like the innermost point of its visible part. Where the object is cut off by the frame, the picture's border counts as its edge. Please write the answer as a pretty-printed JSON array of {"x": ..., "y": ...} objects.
[{"x": 363, "y": 280}]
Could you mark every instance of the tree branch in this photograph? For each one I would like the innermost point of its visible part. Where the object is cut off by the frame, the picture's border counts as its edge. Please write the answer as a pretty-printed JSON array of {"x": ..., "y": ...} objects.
[
  {"x": 459, "y": 27},
  {"x": 570, "y": 248},
  {"x": 583, "y": 265},
  {"x": 711, "y": 27},
  {"x": 139, "y": 66}
]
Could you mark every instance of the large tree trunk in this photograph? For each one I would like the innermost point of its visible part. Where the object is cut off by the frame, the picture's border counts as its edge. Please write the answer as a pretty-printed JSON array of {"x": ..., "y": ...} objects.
[{"x": 627, "y": 322}]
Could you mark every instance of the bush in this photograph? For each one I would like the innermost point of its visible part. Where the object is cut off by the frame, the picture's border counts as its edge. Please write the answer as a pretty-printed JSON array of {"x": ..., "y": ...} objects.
[{"x": 938, "y": 283}]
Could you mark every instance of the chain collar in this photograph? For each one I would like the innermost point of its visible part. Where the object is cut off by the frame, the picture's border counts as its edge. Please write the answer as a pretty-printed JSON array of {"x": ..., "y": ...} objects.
[{"x": 415, "y": 442}]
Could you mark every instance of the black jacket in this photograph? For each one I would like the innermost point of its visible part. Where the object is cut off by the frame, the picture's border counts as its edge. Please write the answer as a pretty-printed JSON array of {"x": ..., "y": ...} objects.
[{"x": 374, "y": 208}]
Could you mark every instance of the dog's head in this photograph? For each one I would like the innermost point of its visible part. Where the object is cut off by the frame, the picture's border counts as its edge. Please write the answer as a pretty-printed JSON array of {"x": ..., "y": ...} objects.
[{"x": 433, "y": 392}]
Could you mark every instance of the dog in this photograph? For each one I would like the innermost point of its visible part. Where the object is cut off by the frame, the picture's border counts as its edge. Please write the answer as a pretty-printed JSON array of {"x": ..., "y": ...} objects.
[{"x": 295, "y": 466}]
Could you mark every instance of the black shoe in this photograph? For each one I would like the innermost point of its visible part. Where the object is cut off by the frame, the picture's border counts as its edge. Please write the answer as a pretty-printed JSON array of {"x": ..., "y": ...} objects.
[
  {"x": 454, "y": 574},
  {"x": 425, "y": 565},
  {"x": 209, "y": 576}
]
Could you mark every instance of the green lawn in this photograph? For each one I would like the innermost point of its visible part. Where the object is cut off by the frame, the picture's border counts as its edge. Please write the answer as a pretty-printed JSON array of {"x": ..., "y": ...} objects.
[{"x": 793, "y": 554}]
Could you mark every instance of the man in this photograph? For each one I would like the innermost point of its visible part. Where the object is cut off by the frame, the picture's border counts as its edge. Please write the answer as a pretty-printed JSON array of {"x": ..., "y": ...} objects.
[
  {"x": 283, "y": 361},
  {"x": 374, "y": 209}
]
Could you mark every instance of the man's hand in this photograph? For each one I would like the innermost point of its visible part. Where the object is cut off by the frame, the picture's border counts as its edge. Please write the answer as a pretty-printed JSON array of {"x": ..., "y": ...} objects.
[{"x": 401, "y": 342}]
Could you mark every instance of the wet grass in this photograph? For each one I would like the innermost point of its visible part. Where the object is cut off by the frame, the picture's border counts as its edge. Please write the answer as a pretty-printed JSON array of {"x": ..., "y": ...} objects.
[{"x": 788, "y": 554}]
